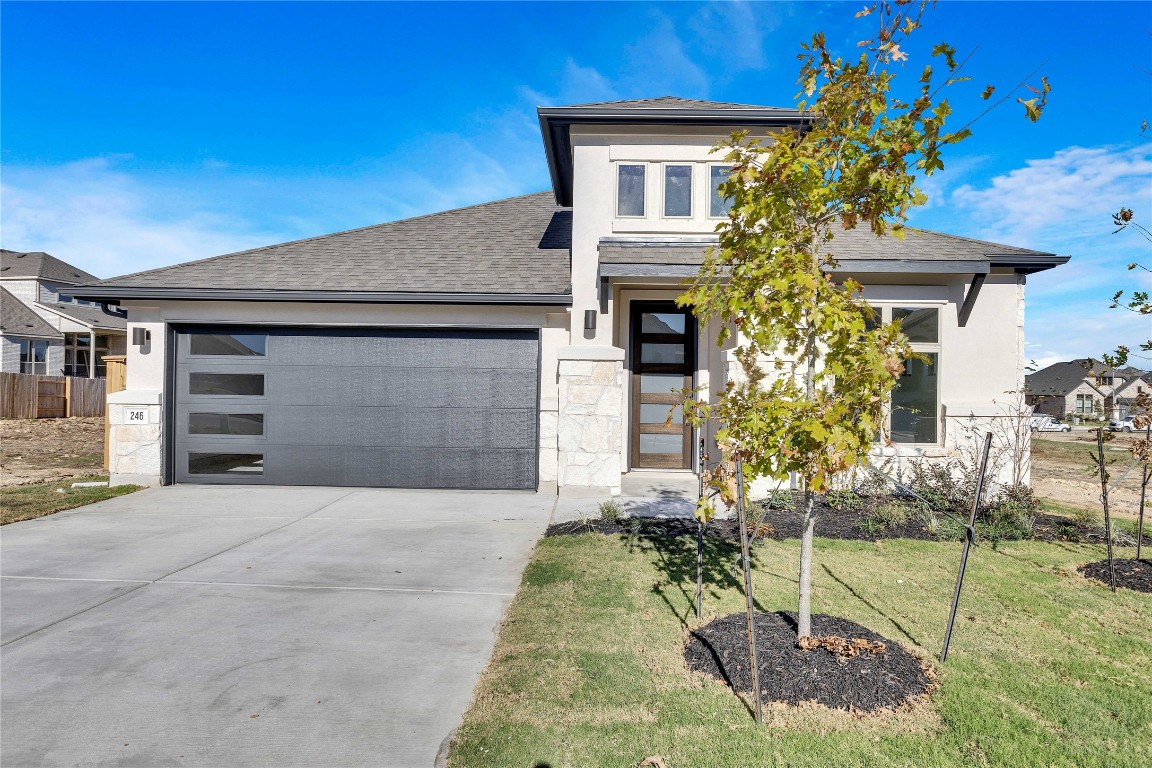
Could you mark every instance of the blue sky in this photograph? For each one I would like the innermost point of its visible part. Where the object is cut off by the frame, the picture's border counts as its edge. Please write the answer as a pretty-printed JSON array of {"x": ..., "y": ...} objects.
[{"x": 144, "y": 134}]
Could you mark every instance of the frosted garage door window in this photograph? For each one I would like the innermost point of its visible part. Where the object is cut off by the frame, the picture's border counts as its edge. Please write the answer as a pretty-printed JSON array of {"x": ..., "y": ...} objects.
[
  {"x": 245, "y": 344},
  {"x": 243, "y": 384}
]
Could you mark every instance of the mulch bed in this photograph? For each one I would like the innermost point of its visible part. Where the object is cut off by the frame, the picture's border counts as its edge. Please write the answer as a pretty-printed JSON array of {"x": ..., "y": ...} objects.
[
  {"x": 781, "y": 524},
  {"x": 852, "y": 667},
  {"x": 1130, "y": 574}
]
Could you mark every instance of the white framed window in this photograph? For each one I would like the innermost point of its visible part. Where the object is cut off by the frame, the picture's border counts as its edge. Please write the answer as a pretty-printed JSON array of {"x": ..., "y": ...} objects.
[
  {"x": 677, "y": 191},
  {"x": 914, "y": 415},
  {"x": 718, "y": 206},
  {"x": 630, "y": 182},
  {"x": 33, "y": 356}
]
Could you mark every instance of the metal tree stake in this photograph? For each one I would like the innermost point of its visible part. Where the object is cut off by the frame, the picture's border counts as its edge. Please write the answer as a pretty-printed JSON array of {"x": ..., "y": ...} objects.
[
  {"x": 1104, "y": 501},
  {"x": 742, "y": 519},
  {"x": 700, "y": 540},
  {"x": 1144, "y": 477},
  {"x": 969, "y": 537}
]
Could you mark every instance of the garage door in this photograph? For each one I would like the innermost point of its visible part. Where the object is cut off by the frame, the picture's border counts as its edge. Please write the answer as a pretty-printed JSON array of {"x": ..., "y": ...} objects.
[{"x": 398, "y": 408}]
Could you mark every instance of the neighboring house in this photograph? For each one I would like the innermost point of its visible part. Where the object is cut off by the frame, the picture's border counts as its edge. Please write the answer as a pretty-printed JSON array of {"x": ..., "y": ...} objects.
[
  {"x": 1084, "y": 388},
  {"x": 84, "y": 332},
  {"x": 530, "y": 343},
  {"x": 28, "y": 344}
]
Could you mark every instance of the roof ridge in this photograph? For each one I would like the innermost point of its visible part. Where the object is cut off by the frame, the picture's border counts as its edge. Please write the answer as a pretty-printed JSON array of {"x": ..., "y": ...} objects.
[{"x": 314, "y": 238}]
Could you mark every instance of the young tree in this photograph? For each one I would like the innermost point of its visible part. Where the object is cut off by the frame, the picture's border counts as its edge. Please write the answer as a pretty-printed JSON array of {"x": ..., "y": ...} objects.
[{"x": 817, "y": 372}]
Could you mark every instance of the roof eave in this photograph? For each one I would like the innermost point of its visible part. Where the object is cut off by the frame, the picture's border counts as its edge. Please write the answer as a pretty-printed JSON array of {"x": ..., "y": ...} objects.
[
  {"x": 1027, "y": 264},
  {"x": 113, "y": 293}
]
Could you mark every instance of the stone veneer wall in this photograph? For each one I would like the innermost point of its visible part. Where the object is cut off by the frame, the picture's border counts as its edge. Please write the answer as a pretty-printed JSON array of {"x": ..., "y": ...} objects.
[
  {"x": 135, "y": 451},
  {"x": 590, "y": 428}
]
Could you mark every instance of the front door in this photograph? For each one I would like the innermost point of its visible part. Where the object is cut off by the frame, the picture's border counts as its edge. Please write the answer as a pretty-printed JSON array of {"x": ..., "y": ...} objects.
[{"x": 663, "y": 361}]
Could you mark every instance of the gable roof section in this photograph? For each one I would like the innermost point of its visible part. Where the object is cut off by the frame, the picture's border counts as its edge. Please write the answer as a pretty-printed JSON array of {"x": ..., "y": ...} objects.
[
  {"x": 509, "y": 251},
  {"x": 93, "y": 317},
  {"x": 1059, "y": 379},
  {"x": 18, "y": 319},
  {"x": 37, "y": 265},
  {"x": 556, "y": 124},
  {"x": 857, "y": 250}
]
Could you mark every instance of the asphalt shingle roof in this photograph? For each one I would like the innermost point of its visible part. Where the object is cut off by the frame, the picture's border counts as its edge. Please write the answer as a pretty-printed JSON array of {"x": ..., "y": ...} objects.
[
  {"x": 91, "y": 316},
  {"x": 1062, "y": 378},
  {"x": 858, "y": 243},
  {"x": 42, "y": 266},
  {"x": 515, "y": 246},
  {"x": 18, "y": 319},
  {"x": 674, "y": 102}
]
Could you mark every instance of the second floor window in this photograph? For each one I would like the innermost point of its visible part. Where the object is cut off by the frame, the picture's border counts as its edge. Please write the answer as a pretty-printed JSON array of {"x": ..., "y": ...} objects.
[
  {"x": 718, "y": 206},
  {"x": 678, "y": 190},
  {"x": 630, "y": 190}
]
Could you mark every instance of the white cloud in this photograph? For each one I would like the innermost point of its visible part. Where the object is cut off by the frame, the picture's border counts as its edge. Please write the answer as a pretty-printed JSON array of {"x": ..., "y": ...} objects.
[
  {"x": 1064, "y": 204},
  {"x": 1067, "y": 197},
  {"x": 108, "y": 218},
  {"x": 106, "y": 222}
]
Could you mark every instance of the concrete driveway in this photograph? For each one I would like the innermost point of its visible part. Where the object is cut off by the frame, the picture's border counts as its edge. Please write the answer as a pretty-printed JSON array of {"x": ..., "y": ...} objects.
[{"x": 243, "y": 626}]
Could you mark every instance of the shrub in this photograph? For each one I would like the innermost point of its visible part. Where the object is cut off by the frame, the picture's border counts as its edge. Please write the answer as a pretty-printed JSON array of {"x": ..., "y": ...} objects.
[
  {"x": 844, "y": 501},
  {"x": 611, "y": 511},
  {"x": 871, "y": 526},
  {"x": 780, "y": 499},
  {"x": 946, "y": 529},
  {"x": 890, "y": 514},
  {"x": 1010, "y": 516}
]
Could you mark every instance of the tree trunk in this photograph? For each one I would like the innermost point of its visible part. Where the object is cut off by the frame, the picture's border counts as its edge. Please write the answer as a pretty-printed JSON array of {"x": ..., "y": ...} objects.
[{"x": 804, "y": 606}]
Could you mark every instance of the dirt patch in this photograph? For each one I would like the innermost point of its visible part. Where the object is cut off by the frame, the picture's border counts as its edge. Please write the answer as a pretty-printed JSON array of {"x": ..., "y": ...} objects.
[
  {"x": 1130, "y": 574},
  {"x": 844, "y": 666},
  {"x": 48, "y": 450},
  {"x": 1063, "y": 472}
]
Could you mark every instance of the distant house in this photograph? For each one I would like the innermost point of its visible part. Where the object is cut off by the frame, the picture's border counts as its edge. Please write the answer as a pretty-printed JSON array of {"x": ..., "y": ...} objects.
[
  {"x": 45, "y": 329},
  {"x": 1086, "y": 388}
]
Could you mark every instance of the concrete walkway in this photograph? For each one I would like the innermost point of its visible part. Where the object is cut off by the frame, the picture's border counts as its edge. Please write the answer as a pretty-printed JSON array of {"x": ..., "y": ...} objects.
[{"x": 244, "y": 626}]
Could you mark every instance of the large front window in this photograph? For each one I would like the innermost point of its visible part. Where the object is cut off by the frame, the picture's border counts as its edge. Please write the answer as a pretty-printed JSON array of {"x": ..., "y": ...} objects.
[
  {"x": 1085, "y": 405},
  {"x": 33, "y": 356},
  {"x": 915, "y": 413}
]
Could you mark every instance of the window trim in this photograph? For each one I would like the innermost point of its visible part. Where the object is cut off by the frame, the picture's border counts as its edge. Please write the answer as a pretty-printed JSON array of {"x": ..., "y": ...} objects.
[
  {"x": 643, "y": 197},
  {"x": 664, "y": 166}
]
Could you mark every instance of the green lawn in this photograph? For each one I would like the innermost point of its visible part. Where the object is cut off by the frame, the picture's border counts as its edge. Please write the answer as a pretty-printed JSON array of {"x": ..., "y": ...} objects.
[
  {"x": 27, "y": 502},
  {"x": 1046, "y": 669}
]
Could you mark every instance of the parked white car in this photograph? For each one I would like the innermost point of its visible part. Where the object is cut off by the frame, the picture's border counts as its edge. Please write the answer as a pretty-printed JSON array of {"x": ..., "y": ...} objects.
[
  {"x": 1049, "y": 424},
  {"x": 1126, "y": 424}
]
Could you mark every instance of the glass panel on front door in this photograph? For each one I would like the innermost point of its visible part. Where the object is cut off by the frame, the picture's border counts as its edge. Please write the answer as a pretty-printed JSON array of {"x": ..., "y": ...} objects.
[{"x": 663, "y": 361}]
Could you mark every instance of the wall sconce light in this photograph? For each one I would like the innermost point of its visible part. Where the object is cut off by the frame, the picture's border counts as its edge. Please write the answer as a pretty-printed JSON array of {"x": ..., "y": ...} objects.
[
  {"x": 141, "y": 337},
  {"x": 590, "y": 319}
]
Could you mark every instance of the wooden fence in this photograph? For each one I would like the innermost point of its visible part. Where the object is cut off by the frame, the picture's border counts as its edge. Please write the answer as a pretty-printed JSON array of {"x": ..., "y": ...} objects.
[{"x": 29, "y": 396}]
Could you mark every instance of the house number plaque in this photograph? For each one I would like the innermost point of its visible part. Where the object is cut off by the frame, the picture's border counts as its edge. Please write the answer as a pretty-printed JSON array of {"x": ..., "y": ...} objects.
[{"x": 135, "y": 415}]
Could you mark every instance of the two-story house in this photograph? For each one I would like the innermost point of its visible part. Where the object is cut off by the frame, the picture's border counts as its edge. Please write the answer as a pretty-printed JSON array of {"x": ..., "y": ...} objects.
[
  {"x": 1085, "y": 388},
  {"x": 532, "y": 342},
  {"x": 47, "y": 330}
]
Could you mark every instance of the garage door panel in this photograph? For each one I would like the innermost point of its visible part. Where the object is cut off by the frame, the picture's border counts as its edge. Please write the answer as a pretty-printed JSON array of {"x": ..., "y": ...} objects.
[
  {"x": 383, "y": 426},
  {"x": 399, "y": 387},
  {"x": 394, "y": 408},
  {"x": 405, "y": 351},
  {"x": 399, "y": 467}
]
